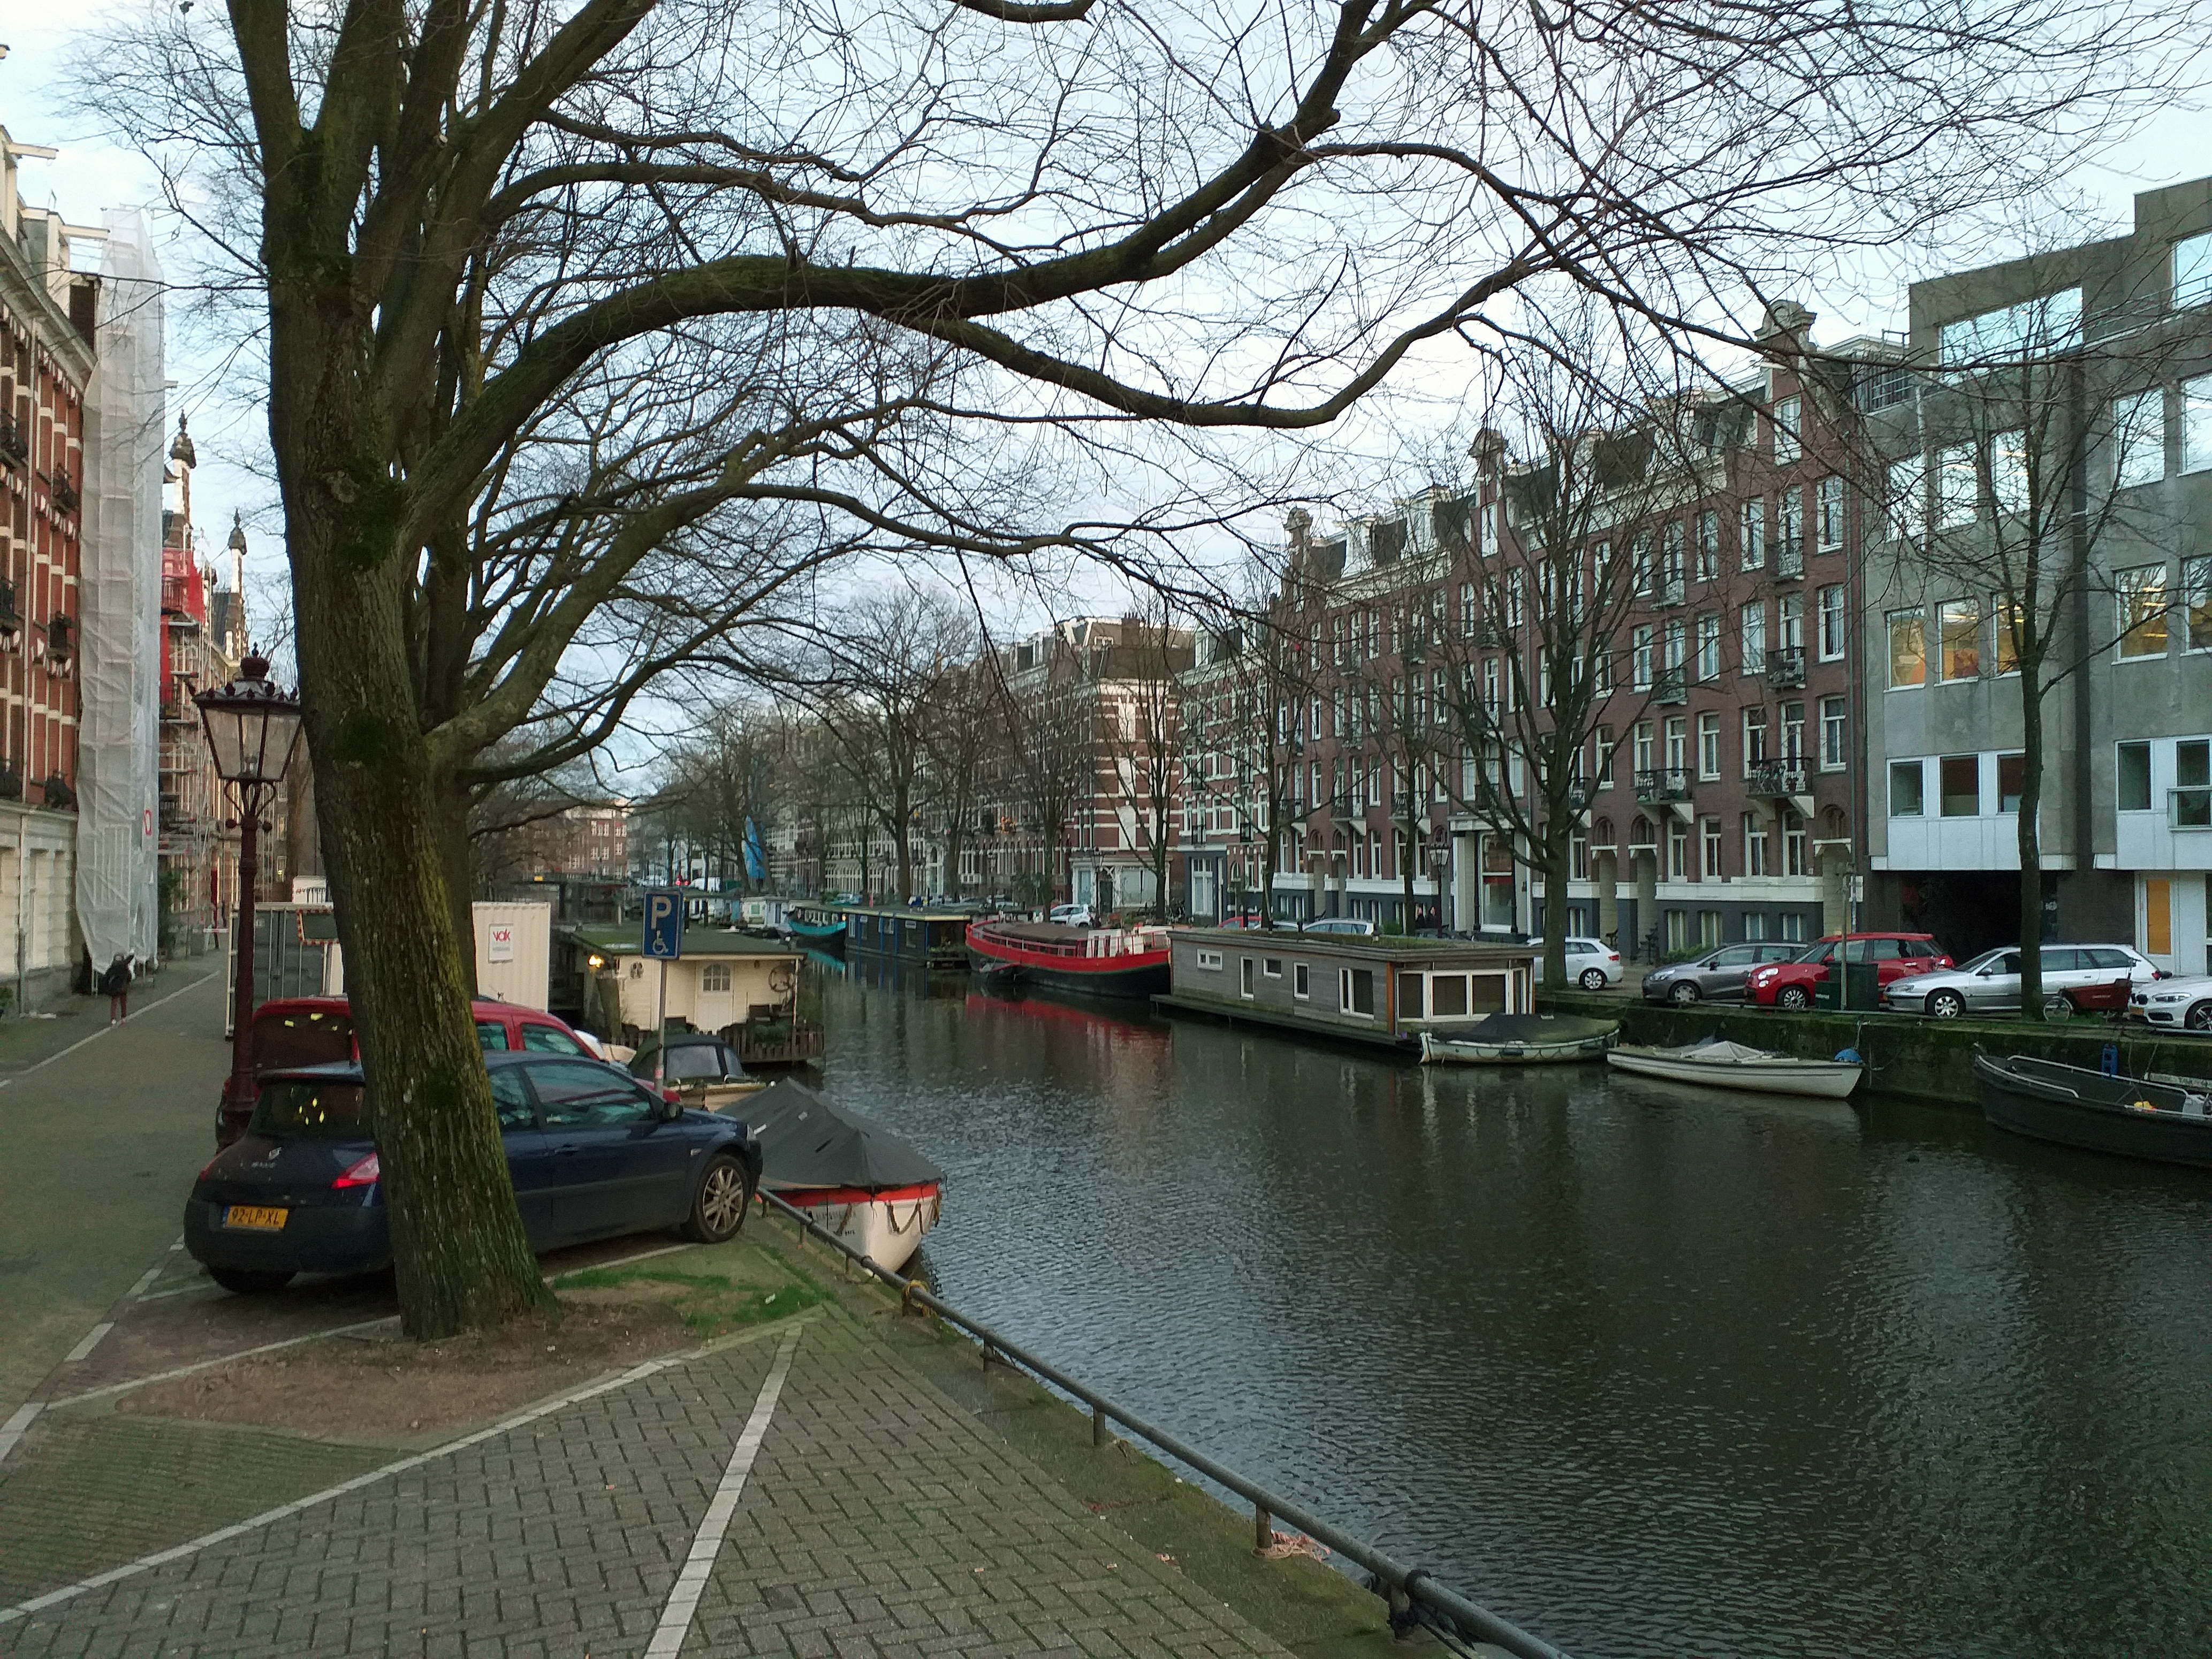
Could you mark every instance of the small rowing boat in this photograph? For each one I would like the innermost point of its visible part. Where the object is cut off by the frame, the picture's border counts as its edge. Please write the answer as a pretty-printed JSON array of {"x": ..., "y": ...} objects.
[
  {"x": 874, "y": 1190},
  {"x": 1717, "y": 1064},
  {"x": 1519, "y": 1040},
  {"x": 2171, "y": 1122}
]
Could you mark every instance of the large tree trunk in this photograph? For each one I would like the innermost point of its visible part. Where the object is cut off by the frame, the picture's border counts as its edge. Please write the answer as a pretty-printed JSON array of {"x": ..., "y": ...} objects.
[
  {"x": 2027, "y": 828},
  {"x": 450, "y": 808},
  {"x": 1558, "y": 825}
]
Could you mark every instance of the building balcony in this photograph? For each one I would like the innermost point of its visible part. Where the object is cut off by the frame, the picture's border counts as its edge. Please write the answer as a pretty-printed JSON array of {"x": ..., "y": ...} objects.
[
  {"x": 14, "y": 442},
  {"x": 1671, "y": 590},
  {"x": 1780, "y": 780},
  {"x": 1660, "y": 784},
  {"x": 11, "y": 619},
  {"x": 1789, "y": 565},
  {"x": 1785, "y": 667},
  {"x": 64, "y": 493},
  {"x": 1670, "y": 686},
  {"x": 1578, "y": 796},
  {"x": 1493, "y": 636}
]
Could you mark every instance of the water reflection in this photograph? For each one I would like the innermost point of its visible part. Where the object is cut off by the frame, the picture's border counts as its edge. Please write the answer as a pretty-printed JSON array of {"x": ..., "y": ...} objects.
[{"x": 1651, "y": 1371}]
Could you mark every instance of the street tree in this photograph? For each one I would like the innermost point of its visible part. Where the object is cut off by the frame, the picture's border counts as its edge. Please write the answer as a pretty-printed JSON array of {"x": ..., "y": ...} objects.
[{"x": 1058, "y": 216}]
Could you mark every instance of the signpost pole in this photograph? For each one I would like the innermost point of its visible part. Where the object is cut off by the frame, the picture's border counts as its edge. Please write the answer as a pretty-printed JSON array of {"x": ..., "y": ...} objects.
[{"x": 661, "y": 1029}]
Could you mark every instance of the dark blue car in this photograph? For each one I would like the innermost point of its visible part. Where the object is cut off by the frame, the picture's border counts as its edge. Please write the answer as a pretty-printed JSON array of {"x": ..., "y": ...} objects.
[{"x": 593, "y": 1153}]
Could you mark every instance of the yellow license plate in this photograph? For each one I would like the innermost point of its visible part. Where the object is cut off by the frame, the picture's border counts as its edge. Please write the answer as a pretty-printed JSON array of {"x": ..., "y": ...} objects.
[{"x": 265, "y": 1220}]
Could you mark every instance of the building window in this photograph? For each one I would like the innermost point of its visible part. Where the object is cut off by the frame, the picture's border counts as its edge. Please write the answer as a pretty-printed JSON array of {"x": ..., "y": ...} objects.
[
  {"x": 1832, "y": 624},
  {"x": 1908, "y": 649},
  {"x": 2011, "y": 782},
  {"x": 2142, "y": 606},
  {"x": 2192, "y": 786},
  {"x": 1960, "y": 786},
  {"x": 1789, "y": 528},
  {"x": 2009, "y": 477},
  {"x": 714, "y": 976},
  {"x": 1955, "y": 491},
  {"x": 1641, "y": 746},
  {"x": 1788, "y": 434},
  {"x": 1907, "y": 787},
  {"x": 1754, "y": 739},
  {"x": 1678, "y": 742},
  {"x": 2133, "y": 794},
  {"x": 1789, "y": 620},
  {"x": 1835, "y": 732},
  {"x": 1709, "y": 928},
  {"x": 1755, "y": 845},
  {"x": 1828, "y": 515},
  {"x": 1907, "y": 485},
  {"x": 2138, "y": 438},
  {"x": 1678, "y": 852},
  {"x": 1639, "y": 658},
  {"x": 1713, "y": 840},
  {"x": 1605, "y": 748},
  {"x": 2049, "y": 322},
  {"x": 1709, "y": 547},
  {"x": 1708, "y": 647},
  {"x": 1752, "y": 534},
  {"x": 1754, "y": 926},
  {"x": 1678, "y": 644},
  {"x": 1708, "y": 746},
  {"x": 1796, "y": 861},
  {"x": 1793, "y": 731},
  {"x": 2196, "y": 603},
  {"x": 2197, "y": 423},
  {"x": 2192, "y": 271},
  {"x": 1751, "y": 627},
  {"x": 1958, "y": 640}
]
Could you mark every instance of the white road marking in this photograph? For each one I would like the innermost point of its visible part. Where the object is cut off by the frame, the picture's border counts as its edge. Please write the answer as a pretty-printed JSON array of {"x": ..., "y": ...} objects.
[
  {"x": 699, "y": 1566},
  {"x": 104, "y": 1030},
  {"x": 83, "y": 1350},
  {"x": 13, "y": 1429},
  {"x": 146, "y": 1279}
]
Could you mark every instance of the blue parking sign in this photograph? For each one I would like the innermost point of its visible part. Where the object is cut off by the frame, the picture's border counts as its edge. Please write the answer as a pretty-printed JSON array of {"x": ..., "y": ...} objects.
[{"x": 664, "y": 926}]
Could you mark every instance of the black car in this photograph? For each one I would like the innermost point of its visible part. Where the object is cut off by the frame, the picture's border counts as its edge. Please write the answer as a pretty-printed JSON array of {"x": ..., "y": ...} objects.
[{"x": 593, "y": 1152}]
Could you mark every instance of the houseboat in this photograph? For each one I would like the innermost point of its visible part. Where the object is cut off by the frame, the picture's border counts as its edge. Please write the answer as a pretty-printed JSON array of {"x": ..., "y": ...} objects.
[
  {"x": 931, "y": 939},
  {"x": 818, "y": 927},
  {"x": 1377, "y": 990},
  {"x": 1100, "y": 962},
  {"x": 748, "y": 990}
]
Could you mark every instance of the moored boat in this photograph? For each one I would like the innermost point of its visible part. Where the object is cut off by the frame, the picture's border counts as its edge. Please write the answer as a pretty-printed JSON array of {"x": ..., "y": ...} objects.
[
  {"x": 1716, "y": 1064},
  {"x": 812, "y": 925},
  {"x": 2076, "y": 1107},
  {"x": 874, "y": 1189},
  {"x": 1101, "y": 962},
  {"x": 1519, "y": 1040}
]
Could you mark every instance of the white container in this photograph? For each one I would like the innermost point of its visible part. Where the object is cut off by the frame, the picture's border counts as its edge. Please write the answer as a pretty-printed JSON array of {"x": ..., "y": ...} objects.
[{"x": 514, "y": 952}]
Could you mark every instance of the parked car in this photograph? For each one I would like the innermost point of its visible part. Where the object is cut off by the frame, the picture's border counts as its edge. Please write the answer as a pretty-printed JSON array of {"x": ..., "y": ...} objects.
[
  {"x": 294, "y": 1032},
  {"x": 1073, "y": 915},
  {"x": 1720, "y": 975},
  {"x": 593, "y": 1152},
  {"x": 2073, "y": 975},
  {"x": 2185, "y": 1004},
  {"x": 1591, "y": 964},
  {"x": 1354, "y": 925},
  {"x": 1894, "y": 956}
]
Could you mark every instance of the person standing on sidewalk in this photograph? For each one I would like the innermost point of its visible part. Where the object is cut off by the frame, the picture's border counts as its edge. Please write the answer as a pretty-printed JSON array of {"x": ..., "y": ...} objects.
[{"x": 116, "y": 981}]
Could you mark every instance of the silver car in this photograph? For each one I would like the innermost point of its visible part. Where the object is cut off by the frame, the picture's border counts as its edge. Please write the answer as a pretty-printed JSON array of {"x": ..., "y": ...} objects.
[
  {"x": 1717, "y": 976},
  {"x": 1989, "y": 983}
]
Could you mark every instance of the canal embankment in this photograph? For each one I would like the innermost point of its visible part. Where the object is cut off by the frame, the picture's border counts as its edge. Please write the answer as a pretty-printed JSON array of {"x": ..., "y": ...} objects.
[{"x": 1908, "y": 1057}]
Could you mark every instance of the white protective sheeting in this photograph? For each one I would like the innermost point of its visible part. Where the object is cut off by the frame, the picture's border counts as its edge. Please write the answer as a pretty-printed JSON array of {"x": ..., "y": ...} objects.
[{"x": 119, "y": 606}]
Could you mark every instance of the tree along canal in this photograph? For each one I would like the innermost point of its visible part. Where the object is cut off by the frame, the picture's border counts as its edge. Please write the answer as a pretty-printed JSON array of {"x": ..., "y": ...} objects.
[{"x": 1648, "y": 1371}]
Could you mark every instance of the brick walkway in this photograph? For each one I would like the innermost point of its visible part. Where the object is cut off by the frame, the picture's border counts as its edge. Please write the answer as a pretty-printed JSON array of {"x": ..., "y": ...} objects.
[{"x": 881, "y": 1518}]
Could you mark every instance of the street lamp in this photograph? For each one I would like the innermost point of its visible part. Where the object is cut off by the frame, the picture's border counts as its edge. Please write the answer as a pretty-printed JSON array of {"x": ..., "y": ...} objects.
[{"x": 252, "y": 725}]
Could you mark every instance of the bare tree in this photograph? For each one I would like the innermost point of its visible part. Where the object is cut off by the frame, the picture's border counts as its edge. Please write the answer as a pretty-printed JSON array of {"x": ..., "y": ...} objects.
[{"x": 450, "y": 218}]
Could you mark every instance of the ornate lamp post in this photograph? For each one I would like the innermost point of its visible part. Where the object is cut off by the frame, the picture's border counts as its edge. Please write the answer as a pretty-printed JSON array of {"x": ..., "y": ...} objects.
[{"x": 253, "y": 726}]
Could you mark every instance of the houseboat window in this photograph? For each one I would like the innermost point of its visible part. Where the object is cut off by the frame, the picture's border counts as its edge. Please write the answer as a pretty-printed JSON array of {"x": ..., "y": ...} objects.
[
  {"x": 1209, "y": 959},
  {"x": 1355, "y": 991},
  {"x": 714, "y": 976},
  {"x": 1248, "y": 976},
  {"x": 1447, "y": 995},
  {"x": 1301, "y": 980},
  {"x": 1487, "y": 994},
  {"x": 1409, "y": 995},
  {"x": 1275, "y": 967}
]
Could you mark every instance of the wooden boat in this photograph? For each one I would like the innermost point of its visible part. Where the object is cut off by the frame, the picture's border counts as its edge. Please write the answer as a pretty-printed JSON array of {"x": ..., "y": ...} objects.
[
  {"x": 874, "y": 1190},
  {"x": 1096, "y": 962},
  {"x": 1716, "y": 1064},
  {"x": 811, "y": 925},
  {"x": 1519, "y": 1040},
  {"x": 2074, "y": 1106}
]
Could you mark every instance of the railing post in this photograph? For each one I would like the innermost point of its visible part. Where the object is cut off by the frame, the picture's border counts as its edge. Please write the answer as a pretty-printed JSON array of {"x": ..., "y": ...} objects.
[
  {"x": 1263, "y": 1529},
  {"x": 1097, "y": 1426}
]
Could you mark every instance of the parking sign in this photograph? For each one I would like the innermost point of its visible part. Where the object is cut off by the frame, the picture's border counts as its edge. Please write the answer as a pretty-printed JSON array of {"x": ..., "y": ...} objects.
[{"x": 664, "y": 926}]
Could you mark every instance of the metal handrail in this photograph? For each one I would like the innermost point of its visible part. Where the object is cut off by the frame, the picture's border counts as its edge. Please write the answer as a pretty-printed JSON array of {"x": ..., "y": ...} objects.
[{"x": 1405, "y": 1584}]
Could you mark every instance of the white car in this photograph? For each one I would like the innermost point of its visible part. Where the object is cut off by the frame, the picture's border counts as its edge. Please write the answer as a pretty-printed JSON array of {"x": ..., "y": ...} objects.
[
  {"x": 2182, "y": 1004},
  {"x": 1073, "y": 915},
  {"x": 1339, "y": 925},
  {"x": 1591, "y": 964}
]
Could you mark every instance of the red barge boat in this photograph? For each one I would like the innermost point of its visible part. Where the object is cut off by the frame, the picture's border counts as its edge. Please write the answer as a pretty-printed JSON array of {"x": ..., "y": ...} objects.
[{"x": 1129, "y": 962}]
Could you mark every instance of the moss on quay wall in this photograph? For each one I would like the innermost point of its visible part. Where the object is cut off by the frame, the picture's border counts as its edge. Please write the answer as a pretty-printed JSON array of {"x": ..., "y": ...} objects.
[{"x": 1908, "y": 1056}]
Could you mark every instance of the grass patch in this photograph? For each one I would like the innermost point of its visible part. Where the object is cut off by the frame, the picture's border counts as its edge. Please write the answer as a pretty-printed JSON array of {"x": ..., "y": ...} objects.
[
  {"x": 708, "y": 1304},
  {"x": 727, "y": 1314},
  {"x": 606, "y": 1278}
]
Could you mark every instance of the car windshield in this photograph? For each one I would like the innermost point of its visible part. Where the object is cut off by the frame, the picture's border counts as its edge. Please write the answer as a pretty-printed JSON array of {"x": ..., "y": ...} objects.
[{"x": 298, "y": 1108}]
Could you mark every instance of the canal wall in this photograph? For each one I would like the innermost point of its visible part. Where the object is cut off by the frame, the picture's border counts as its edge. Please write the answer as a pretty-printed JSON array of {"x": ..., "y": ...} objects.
[{"x": 1908, "y": 1057}]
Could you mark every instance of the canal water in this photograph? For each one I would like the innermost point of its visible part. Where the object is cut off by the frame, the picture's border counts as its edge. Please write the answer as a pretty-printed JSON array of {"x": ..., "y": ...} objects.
[{"x": 1648, "y": 1371}]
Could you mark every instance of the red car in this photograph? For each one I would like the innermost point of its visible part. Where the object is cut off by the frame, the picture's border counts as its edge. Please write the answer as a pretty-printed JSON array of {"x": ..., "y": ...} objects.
[
  {"x": 290, "y": 1032},
  {"x": 1789, "y": 984}
]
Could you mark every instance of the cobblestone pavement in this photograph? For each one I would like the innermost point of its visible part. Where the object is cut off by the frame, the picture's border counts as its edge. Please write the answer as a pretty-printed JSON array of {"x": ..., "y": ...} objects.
[{"x": 880, "y": 1518}]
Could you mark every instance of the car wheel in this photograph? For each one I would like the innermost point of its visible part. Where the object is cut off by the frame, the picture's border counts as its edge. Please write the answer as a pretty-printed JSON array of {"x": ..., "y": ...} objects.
[
  {"x": 2198, "y": 1018},
  {"x": 1947, "y": 1005},
  {"x": 241, "y": 1281},
  {"x": 1593, "y": 979},
  {"x": 718, "y": 1210},
  {"x": 2056, "y": 1006},
  {"x": 1794, "y": 997},
  {"x": 1686, "y": 994}
]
